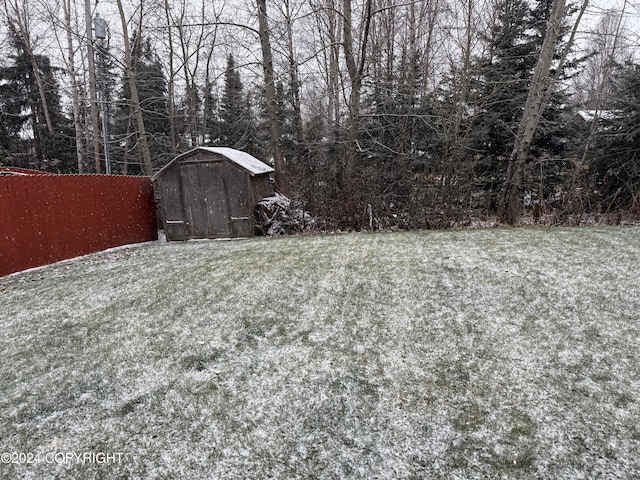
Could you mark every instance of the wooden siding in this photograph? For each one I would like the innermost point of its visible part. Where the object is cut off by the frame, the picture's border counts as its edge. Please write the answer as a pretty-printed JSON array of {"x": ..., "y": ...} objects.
[
  {"x": 204, "y": 199},
  {"x": 238, "y": 187},
  {"x": 204, "y": 195},
  {"x": 171, "y": 209}
]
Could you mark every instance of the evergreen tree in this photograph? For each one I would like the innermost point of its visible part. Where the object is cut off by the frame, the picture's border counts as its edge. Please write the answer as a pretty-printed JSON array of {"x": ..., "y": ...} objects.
[
  {"x": 286, "y": 117},
  {"x": 235, "y": 127},
  {"x": 616, "y": 162},
  {"x": 152, "y": 91},
  {"x": 501, "y": 90},
  {"x": 27, "y": 139},
  {"x": 260, "y": 131},
  {"x": 551, "y": 135},
  {"x": 13, "y": 105},
  {"x": 499, "y": 95},
  {"x": 388, "y": 134}
]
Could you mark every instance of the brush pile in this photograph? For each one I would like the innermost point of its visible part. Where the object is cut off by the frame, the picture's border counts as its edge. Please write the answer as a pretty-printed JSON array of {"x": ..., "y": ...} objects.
[{"x": 279, "y": 215}]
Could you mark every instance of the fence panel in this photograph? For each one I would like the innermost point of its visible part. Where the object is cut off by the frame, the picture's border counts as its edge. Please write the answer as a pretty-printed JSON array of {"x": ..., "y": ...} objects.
[{"x": 46, "y": 218}]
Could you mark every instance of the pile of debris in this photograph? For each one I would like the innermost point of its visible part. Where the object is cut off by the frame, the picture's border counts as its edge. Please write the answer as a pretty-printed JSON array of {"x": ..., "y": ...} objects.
[{"x": 278, "y": 215}]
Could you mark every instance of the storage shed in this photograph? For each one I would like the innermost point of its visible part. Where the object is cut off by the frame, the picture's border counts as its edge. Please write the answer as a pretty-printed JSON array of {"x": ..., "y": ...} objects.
[{"x": 210, "y": 192}]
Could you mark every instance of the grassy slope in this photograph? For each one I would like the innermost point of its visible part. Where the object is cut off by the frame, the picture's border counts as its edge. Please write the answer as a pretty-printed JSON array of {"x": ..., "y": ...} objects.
[{"x": 489, "y": 353}]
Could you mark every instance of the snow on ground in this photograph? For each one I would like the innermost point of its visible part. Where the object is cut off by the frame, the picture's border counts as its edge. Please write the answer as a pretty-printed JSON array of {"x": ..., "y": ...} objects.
[{"x": 457, "y": 354}]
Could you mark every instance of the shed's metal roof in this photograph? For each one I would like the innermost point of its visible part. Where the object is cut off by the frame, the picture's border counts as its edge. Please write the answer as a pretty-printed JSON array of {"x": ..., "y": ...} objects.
[{"x": 248, "y": 162}]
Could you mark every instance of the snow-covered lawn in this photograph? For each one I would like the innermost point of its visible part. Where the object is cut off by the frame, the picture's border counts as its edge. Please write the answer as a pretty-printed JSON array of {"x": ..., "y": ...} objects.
[{"x": 457, "y": 354}]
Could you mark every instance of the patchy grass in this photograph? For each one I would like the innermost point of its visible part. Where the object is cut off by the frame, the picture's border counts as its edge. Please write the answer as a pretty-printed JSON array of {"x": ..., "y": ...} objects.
[{"x": 456, "y": 354}]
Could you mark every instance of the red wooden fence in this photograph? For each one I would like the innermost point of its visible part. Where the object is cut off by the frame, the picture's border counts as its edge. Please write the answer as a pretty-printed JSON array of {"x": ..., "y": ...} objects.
[{"x": 46, "y": 218}]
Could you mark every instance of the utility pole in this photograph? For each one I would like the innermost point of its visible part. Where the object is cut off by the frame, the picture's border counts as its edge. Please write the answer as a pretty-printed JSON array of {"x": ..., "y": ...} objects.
[{"x": 101, "y": 31}]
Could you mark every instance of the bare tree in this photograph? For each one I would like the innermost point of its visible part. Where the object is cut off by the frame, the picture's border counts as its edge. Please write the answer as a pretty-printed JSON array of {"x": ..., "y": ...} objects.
[
  {"x": 606, "y": 46},
  {"x": 66, "y": 33},
  {"x": 135, "y": 101},
  {"x": 454, "y": 144},
  {"x": 610, "y": 48},
  {"x": 356, "y": 61},
  {"x": 270, "y": 91},
  {"x": 171, "y": 104},
  {"x": 328, "y": 28},
  {"x": 511, "y": 200},
  {"x": 18, "y": 17},
  {"x": 75, "y": 93},
  {"x": 289, "y": 16},
  {"x": 93, "y": 94},
  {"x": 191, "y": 38}
]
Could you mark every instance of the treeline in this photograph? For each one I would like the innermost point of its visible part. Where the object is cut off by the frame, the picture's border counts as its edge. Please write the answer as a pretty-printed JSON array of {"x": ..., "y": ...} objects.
[{"x": 393, "y": 114}]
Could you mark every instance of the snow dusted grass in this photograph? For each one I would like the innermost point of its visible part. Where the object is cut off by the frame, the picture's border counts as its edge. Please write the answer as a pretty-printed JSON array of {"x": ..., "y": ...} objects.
[{"x": 459, "y": 354}]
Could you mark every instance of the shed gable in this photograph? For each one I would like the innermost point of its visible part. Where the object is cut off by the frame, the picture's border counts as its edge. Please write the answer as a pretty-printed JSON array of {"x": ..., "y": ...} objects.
[{"x": 243, "y": 160}]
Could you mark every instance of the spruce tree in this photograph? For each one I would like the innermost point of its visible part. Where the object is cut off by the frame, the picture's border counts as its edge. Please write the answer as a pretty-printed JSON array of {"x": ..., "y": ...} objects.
[
  {"x": 152, "y": 92},
  {"x": 615, "y": 164},
  {"x": 514, "y": 43},
  {"x": 22, "y": 110},
  {"x": 235, "y": 127},
  {"x": 501, "y": 90}
]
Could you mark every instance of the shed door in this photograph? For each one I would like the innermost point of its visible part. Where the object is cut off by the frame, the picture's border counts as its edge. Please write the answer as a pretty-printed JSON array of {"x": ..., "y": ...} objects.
[
  {"x": 175, "y": 222},
  {"x": 240, "y": 202},
  {"x": 205, "y": 199}
]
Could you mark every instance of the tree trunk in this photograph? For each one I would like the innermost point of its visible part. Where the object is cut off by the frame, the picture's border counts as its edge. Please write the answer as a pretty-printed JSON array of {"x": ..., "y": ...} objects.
[
  {"x": 511, "y": 200},
  {"x": 135, "y": 100},
  {"x": 270, "y": 90},
  {"x": 295, "y": 82},
  {"x": 173, "y": 136},
  {"x": 190, "y": 89},
  {"x": 20, "y": 20},
  {"x": 93, "y": 95},
  {"x": 603, "y": 84},
  {"x": 333, "y": 65},
  {"x": 75, "y": 100},
  {"x": 453, "y": 147},
  {"x": 206, "y": 98},
  {"x": 355, "y": 68},
  {"x": 127, "y": 137}
]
